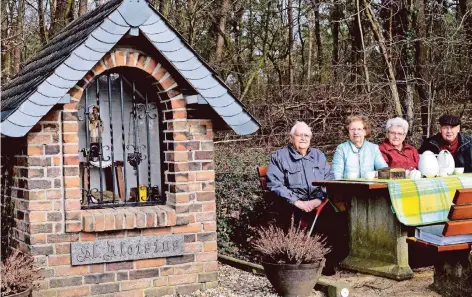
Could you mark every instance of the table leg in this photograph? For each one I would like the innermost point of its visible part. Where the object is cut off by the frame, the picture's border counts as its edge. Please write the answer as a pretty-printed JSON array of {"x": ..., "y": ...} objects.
[{"x": 377, "y": 239}]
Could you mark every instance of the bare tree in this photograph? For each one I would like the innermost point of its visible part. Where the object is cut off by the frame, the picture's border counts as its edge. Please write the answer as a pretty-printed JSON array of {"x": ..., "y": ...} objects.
[
  {"x": 82, "y": 6},
  {"x": 221, "y": 30},
  {"x": 19, "y": 40},
  {"x": 383, "y": 48},
  {"x": 290, "y": 41}
]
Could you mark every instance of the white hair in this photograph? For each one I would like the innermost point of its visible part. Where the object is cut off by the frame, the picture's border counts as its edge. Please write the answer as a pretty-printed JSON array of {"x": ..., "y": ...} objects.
[
  {"x": 299, "y": 124},
  {"x": 398, "y": 122}
]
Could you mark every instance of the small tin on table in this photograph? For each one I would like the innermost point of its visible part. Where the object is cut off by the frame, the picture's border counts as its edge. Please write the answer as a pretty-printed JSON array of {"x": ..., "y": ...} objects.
[{"x": 392, "y": 173}]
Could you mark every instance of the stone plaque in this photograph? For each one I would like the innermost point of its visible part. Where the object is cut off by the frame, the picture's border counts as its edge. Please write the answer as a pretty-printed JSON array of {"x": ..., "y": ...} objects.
[{"x": 124, "y": 249}]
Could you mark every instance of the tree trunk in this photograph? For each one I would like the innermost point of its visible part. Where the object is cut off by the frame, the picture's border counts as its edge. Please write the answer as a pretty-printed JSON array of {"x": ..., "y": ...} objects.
[
  {"x": 364, "y": 58},
  {"x": 222, "y": 28},
  {"x": 52, "y": 10},
  {"x": 302, "y": 42},
  {"x": 335, "y": 19},
  {"x": 6, "y": 44},
  {"x": 61, "y": 16},
  {"x": 319, "y": 46},
  {"x": 466, "y": 18},
  {"x": 409, "y": 61},
  {"x": 383, "y": 49},
  {"x": 290, "y": 41},
  {"x": 190, "y": 16},
  {"x": 422, "y": 77},
  {"x": 43, "y": 33},
  {"x": 310, "y": 47},
  {"x": 356, "y": 46},
  {"x": 19, "y": 38},
  {"x": 82, "y": 7}
]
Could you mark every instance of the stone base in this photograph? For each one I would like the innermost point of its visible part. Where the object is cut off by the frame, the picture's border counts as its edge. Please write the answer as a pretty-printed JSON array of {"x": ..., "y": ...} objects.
[
  {"x": 453, "y": 274},
  {"x": 384, "y": 269}
]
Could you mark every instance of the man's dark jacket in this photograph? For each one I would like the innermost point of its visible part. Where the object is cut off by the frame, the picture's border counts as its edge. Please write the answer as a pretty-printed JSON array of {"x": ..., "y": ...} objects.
[
  {"x": 463, "y": 155},
  {"x": 290, "y": 175}
]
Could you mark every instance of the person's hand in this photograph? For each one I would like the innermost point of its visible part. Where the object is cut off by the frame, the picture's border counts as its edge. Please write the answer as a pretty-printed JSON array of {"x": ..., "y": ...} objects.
[
  {"x": 302, "y": 205},
  {"x": 308, "y": 206},
  {"x": 314, "y": 204}
]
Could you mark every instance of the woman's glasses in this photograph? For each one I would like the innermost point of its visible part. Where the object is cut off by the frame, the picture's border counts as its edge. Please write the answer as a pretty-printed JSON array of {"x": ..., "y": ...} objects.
[
  {"x": 396, "y": 134},
  {"x": 356, "y": 129}
]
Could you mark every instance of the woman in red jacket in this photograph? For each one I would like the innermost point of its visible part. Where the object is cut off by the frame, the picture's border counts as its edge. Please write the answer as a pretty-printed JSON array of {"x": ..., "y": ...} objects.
[{"x": 396, "y": 152}]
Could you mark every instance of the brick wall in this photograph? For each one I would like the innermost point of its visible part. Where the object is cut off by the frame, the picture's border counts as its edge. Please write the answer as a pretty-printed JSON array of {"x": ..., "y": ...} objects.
[{"x": 47, "y": 200}]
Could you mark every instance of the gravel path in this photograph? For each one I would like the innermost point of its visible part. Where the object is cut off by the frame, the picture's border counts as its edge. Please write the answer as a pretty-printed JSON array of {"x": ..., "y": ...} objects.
[{"x": 237, "y": 283}]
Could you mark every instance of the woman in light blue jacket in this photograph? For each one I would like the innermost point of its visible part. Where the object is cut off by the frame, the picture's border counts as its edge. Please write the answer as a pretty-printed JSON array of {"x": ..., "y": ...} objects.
[{"x": 357, "y": 156}]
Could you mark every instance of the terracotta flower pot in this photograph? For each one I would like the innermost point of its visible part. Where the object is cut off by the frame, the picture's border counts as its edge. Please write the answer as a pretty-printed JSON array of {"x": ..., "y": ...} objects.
[
  {"x": 291, "y": 280},
  {"x": 25, "y": 293}
]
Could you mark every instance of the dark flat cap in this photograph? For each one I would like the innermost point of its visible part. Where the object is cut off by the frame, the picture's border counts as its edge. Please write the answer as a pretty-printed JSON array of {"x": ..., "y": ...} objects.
[{"x": 449, "y": 120}]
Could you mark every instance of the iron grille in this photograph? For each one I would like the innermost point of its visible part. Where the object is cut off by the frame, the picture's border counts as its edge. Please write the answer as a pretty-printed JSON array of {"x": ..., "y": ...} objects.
[{"x": 114, "y": 163}]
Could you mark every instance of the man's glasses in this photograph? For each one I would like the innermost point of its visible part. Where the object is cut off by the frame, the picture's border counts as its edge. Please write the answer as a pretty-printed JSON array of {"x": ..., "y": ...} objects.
[
  {"x": 302, "y": 135},
  {"x": 396, "y": 134}
]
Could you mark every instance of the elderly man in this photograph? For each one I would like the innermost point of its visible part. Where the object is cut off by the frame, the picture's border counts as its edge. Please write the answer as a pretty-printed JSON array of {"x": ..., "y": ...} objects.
[
  {"x": 293, "y": 168},
  {"x": 290, "y": 174},
  {"x": 450, "y": 138}
]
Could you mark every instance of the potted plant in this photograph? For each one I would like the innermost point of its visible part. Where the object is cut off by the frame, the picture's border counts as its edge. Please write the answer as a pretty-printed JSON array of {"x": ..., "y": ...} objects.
[
  {"x": 292, "y": 259},
  {"x": 18, "y": 275}
]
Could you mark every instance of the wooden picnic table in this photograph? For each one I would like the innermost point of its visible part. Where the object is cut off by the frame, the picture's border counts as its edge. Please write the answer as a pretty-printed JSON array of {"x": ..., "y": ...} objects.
[{"x": 377, "y": 239}]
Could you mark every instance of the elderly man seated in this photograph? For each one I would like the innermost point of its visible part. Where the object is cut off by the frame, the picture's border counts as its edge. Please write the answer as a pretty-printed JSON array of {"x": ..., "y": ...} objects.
[
  {"x": 293, "y": 168},
  {"x": 290, "y": 174},
  {"x": 450, "y": 138}
]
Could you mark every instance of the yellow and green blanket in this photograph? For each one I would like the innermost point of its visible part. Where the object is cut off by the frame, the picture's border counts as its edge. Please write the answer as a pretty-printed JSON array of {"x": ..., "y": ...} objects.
[{"x": 427, "y": 200}]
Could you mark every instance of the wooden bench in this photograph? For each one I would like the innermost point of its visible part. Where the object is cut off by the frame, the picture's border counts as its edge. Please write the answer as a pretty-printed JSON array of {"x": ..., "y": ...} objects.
[
  {"x": 281, "y": 208},
  {"x": 453, "y": 267}
]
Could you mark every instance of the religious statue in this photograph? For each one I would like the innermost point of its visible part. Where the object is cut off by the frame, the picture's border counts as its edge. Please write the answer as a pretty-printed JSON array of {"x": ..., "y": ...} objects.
[{"x": 95, "y": 123}]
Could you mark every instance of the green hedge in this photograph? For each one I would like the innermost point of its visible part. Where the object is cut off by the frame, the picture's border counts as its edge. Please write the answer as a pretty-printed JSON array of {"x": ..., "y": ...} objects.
[{"x": 239, "y": 202}]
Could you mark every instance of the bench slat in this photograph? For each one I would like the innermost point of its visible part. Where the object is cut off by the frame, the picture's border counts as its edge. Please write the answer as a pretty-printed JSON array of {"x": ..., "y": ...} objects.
[
  {"x": 463, "y": 196},
  {"x": 460, "y": 212},
  {"x": 457, "y": 228},
  {"x": 439, "y": 248}
]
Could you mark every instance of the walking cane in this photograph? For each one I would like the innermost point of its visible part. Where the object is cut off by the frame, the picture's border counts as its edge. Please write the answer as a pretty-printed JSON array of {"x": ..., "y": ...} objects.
[{"x": 317, "y": 213}]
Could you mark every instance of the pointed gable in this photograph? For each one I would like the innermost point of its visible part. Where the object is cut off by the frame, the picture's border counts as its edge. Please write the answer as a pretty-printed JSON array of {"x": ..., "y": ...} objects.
[{"x": 46, "y": 80}]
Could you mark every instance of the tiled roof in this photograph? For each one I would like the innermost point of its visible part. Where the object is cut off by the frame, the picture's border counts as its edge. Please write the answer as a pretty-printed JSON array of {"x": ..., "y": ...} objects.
[
  {"x": 40, "y": 67},
  {"x": 47, "y": 78}
]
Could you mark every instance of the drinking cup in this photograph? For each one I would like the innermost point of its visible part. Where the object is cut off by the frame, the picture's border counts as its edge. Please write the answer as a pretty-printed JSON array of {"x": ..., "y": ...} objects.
[{"x": 458, "y": 170}]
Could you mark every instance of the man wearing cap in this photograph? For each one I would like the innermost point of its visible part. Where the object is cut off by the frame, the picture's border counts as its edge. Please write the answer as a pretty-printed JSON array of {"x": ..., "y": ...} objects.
[{"x": 450, "y": 138}]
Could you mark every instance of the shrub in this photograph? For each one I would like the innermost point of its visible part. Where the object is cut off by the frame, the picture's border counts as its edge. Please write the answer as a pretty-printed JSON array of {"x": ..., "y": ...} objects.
[
  {"x": 18, "y": 273},
  {"x": 239, "y": 201},
  {"x": 292, "y": 247}
]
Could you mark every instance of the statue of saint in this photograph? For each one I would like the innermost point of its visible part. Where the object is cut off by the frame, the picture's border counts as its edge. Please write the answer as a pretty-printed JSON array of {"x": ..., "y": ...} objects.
[{"x": 95, "y": 122}]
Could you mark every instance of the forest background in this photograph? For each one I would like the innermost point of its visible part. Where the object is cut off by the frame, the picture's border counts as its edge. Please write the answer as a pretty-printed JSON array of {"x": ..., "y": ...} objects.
[{"x": 312, "y": 60}]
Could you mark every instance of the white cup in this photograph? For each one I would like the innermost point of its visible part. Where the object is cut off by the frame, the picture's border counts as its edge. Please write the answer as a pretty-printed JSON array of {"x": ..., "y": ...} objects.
[
  {"x": 352, "y": 174},
  {"x": 458, "y": 170},
  {"x": 443, "y": 172},
  {"x": 370, "y": 174}
]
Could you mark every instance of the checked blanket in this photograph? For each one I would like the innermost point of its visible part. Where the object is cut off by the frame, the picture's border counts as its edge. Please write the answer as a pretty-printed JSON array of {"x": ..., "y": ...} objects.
[{"x": 427, "y": 200}]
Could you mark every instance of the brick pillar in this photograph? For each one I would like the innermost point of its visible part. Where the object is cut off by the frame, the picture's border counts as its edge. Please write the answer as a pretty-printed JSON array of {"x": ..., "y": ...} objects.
[{"x": 191, "y": 188}]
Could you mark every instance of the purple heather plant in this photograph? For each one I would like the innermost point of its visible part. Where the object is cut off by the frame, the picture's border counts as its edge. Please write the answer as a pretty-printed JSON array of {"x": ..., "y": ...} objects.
[
  {"x": 290, "y": 247},
  {"x": 18, "y": 273}
]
